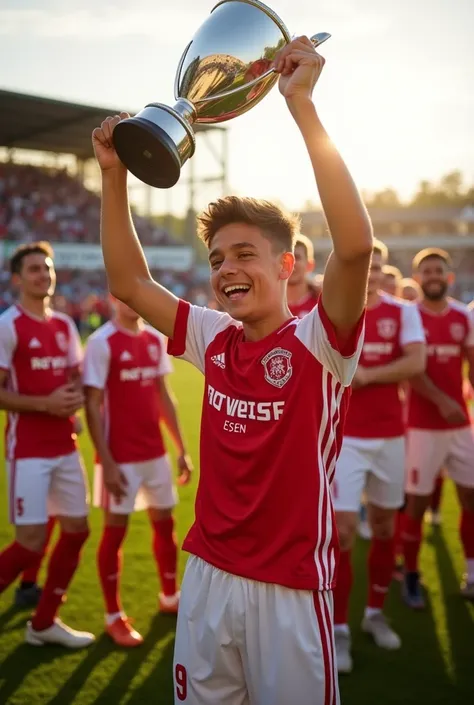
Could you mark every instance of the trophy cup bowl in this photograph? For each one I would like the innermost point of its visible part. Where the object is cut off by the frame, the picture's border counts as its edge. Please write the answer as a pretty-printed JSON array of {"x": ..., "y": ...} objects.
[{"x": 225, "y": 70}]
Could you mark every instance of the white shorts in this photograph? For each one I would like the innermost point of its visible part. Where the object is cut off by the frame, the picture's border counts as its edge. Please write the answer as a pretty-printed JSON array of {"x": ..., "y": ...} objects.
[
  {"x": 150, "y": 485},
  {"x": 242, "y": 642},
  {"x": 376, "y": 465},
  {"x": 42, "y": 487},
  {"x": 429, "y": 451}
]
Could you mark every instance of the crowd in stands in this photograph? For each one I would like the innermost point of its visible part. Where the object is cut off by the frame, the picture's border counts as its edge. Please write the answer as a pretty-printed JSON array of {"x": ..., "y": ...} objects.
[
  {"x": 43, "y": 203},
  {"x": 39, "y": 203}
]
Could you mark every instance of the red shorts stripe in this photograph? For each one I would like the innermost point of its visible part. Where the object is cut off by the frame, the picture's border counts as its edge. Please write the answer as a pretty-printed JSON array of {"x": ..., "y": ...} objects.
[{"x": 325, "y": 630}]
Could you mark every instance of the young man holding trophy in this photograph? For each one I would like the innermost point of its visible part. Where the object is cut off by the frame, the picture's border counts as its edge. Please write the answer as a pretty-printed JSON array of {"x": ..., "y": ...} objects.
[{"x": 255, "y": 622}]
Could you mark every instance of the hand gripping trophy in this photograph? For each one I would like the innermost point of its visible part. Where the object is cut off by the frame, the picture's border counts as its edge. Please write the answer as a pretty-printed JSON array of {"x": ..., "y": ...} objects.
[{"x": 224, "y": 71}]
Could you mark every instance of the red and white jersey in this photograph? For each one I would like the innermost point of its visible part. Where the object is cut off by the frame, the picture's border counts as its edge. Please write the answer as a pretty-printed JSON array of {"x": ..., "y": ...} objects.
[
  {"x": 271, "y": 430},
  {"x": 127, "y": 366},
  {"x": 39, "y": 355},
  {"x": 376, "y": 411},
  {"x": 448, "y": 334},
  {"x": 305, "y": 305}
]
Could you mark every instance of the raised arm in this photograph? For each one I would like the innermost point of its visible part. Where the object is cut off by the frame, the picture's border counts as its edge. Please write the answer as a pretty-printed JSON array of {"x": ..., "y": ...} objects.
[
  {"x": 345, "y": 278},
  {"x": 128, "y": 275}
]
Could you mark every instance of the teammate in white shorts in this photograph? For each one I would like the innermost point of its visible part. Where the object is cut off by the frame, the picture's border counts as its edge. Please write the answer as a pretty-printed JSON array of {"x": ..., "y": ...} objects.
[
  {"x": 440, "y": 434},
  {"x": 40, "y": 388},
  {"x": 127, "y": 395},
  {"x": 372, "y": 455},
  {"x": 255, "y": 614}
]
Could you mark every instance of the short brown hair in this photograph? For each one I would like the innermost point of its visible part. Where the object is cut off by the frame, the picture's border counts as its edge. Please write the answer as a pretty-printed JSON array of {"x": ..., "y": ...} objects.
[
  {"x": 392, "y": 271},
  {"x": 276, "y": 224},
  {"x": 304, "y": 242},
  {"x": 42, "y": 247},
  {"x": 431, "y": 253},
  {"x": 379, "y": 248}
]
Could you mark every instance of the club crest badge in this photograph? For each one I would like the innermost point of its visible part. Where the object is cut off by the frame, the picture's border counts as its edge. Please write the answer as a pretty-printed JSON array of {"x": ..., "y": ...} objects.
[
  {"x": 153, "y": 352},
  {"x": 61, "y": 341},
  {"x": 457, "y": 331},
  {"x": 277, "y": 366},
  {"x": 386, "y": 328}
]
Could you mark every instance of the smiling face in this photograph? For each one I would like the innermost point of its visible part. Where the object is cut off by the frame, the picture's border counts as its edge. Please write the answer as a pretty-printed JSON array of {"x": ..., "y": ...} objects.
[
  {"x": 248, "y": 272},
  {"x": 375, "y": 274},
  {"x": 434, "y": 277},
  {"x": 36, "y": 278}
]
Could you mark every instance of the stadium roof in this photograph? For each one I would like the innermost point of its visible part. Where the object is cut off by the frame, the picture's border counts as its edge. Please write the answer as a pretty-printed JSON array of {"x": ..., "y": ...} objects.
[{"x": 48, "y": 125}]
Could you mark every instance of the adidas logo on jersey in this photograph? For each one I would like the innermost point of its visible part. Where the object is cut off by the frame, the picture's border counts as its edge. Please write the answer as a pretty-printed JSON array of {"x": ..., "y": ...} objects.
[
  {"x": 219, "y": 360},
  {"x": 34, "y": 343},
  {"x": 125, "y": 356}
]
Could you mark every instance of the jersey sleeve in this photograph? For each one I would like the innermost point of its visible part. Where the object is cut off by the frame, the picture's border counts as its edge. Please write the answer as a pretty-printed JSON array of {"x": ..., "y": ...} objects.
[
  {"x": 195, "y": 328},
  {"x": 319, "y": 336},
  {"x": 469, "y": 342},
  {"x": 74, "y": 353},
  {"x": 411, "y": 329},
  {"x": 96, "y": 363},
  {"x": 7, "y": 344}
]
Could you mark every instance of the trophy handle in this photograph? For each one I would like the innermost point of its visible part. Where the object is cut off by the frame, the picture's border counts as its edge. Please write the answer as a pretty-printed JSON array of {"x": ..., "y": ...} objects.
[
  {"x": 316, "y": 39},
  {"x": 178, "y": 71}
]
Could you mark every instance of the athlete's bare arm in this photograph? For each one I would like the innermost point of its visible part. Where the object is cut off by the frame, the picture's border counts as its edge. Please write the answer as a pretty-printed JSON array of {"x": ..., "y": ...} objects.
[
  {"x": 448, "y": 408},
  {"x": 170, "y": 417},
  {"x": 64, "y": 401},
  {"x": 113, "y": 478},
  {"x": 410, "y": 364},
  {"x": 469, "y": 353},
  {"x": 345, "y": 277},
  {"x": 127, "y": 271}
]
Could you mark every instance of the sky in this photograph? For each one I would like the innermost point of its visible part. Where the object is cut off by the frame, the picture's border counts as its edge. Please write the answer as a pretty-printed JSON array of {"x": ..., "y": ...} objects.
[{"x": 396, "y": 94}]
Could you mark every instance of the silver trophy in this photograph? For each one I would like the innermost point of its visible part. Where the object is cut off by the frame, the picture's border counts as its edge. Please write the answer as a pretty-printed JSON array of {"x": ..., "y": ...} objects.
[{"x": 224, "y": 71}]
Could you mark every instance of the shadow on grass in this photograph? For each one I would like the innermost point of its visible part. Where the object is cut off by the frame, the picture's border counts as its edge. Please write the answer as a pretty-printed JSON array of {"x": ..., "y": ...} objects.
[
  {"x": 394, "y": 677},
  {"x": 459, "y": 618},
  {"x": 25, "y": 659}
]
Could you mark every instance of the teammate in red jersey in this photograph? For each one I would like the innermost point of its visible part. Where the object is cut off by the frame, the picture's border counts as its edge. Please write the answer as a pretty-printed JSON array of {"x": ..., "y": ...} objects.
[
  {"x": 127, "y": 394},
  {"x": 255, "y": 615},
  {"x": 439, "y": 429},
  {"x": 372, "y": 454},
  {"x": 391, "y": 280},
  {"x": 40, "y": 388},
  {"x": 302, "y": 293}
]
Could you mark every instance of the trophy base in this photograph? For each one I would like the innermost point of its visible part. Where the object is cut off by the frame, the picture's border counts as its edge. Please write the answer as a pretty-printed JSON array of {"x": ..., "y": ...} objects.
[{"x": 148, "y": 152}]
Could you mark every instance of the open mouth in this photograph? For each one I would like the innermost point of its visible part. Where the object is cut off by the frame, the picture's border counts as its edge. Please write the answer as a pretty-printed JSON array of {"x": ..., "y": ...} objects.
[{"x": 234, "y": 292}]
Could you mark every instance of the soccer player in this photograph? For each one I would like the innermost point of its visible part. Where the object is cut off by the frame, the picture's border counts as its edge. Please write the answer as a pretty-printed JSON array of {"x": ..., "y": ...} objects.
[
  {"x": 125, "y": 370},
  {"x": 391, "y": 280},
  {"x": 40, "y": 388},
  {"x": 372, "y": 454},
  {"x": 302, "y": 292},
  {"x": 439, "y": 434},
  {"x": 255, "y": 614}
]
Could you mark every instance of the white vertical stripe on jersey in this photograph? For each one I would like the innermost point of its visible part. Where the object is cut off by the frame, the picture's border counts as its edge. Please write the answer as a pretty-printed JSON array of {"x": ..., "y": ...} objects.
[
  {"x": 337, "y": 390},
  {"x": 319, "y": 558}
]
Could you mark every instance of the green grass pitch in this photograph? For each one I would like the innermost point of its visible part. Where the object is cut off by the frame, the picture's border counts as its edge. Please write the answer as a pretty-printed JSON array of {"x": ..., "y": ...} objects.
[{"x": 434, "y": 667}]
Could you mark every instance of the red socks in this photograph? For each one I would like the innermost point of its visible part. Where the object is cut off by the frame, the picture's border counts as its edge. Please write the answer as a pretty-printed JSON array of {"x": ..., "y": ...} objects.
[
  {"x": 166, "y": 554},
  {"x": 380, "y": 565},
  {"x": 13, "y": 560},
  {"x": 343, "y": 589},
  {"x": 30, "y": 575},
  {"x": 62, "y": 566},
  {"x": 466, "y": 530},
  {"x": 436, "y": 496},
  {"x": 411, "y": 537},
  {"x": 109, "y": 563}
]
